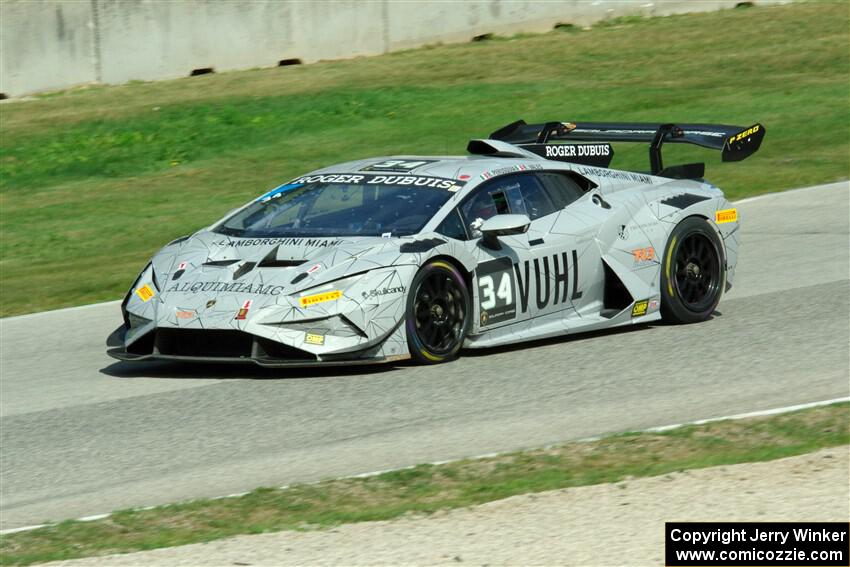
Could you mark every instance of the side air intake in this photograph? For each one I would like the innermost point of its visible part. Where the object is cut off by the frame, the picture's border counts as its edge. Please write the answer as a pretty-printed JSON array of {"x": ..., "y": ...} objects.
[{"x": 616, "y": 296}]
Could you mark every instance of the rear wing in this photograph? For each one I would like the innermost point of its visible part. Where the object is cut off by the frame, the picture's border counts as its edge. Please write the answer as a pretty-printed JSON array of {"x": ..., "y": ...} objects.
[{"x": 734, "y": 142}]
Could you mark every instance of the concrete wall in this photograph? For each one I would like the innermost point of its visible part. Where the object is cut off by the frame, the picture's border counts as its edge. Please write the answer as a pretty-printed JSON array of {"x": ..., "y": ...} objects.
[
  {"x": 460, "y": 20},
  {"x": 45, "y": 45},
  {"x": 155, "y": 40},
  {"x": 52, "y": 44}
]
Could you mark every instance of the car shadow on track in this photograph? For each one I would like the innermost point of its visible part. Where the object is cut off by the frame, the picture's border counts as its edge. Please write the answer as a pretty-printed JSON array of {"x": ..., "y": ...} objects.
[
  {"x": 247, "y": 371},
  {"x": 573, "y": 339},
  {"x": 560, "y": 339}
]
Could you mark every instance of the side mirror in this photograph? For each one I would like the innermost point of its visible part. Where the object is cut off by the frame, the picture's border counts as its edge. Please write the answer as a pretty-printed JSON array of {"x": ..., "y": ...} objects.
[{"x": 503, "y": 225}]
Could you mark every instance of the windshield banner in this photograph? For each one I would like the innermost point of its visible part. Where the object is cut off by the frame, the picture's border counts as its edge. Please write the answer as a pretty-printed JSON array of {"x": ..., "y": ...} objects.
[{"x": 412, "y": 180}]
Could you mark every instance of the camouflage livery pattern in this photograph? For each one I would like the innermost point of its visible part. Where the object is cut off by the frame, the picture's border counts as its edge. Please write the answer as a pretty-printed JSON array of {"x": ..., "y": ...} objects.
[{"x": 343, "y": 300}]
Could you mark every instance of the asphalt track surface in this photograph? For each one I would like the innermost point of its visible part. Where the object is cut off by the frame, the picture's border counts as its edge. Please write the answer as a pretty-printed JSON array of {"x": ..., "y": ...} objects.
[{"x": 83, "y": 434}]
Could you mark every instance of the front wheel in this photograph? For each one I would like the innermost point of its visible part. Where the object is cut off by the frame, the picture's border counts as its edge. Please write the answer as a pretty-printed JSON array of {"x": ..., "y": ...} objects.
[
  {"x": 438, "y": 313},
  {"x": 693, "y": 272}
]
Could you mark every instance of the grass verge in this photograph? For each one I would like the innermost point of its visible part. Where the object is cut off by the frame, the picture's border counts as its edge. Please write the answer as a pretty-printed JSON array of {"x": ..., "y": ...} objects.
[
  {"x": 93, "y": 181},
  {"x": 427, "y": 488}
]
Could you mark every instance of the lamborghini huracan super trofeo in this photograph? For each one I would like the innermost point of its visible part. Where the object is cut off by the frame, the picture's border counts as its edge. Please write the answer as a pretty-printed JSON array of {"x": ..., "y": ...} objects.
[{"x": 532, "y": 235}]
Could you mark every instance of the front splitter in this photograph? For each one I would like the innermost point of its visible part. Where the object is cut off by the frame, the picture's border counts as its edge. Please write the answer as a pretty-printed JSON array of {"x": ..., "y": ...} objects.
[{"x": 119, "y": 353}]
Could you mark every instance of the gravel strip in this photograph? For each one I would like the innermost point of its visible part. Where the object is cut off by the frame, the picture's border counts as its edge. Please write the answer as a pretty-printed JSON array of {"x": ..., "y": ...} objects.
[{"x": 608, "y": 524}]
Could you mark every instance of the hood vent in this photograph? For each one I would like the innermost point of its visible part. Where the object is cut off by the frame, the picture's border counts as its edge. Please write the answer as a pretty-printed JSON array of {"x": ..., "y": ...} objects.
[
  {"x": 420, "y": 245},
  {"x": 280, "y": 263},
  {"x": 219, "y": 263},
  {"x": 271, "y": 261}
]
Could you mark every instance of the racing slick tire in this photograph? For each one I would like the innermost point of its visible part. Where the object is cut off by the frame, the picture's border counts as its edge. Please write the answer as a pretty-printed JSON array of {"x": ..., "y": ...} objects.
[
  {"x": 693, "y": 272},
  {"x": 438, "y": 313}
]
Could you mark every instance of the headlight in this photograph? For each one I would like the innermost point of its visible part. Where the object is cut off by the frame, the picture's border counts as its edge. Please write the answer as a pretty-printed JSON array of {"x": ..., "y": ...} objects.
[
  {"x": 141, "y": 287},
  {"x": 154, "y": 279},
  {"x": 148, "y": 275},
  {"x": 145, "y": 275}
]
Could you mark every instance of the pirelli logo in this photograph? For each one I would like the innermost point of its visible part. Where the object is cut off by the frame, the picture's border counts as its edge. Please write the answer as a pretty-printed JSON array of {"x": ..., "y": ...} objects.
[
  {"x": 145, "y": 292},
  {"x": 726, "y": 215},
  {"x": 308, "y": 300}
]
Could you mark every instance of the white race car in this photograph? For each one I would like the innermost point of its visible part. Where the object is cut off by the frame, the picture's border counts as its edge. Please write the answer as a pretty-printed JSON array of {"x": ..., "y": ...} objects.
[{"x": 376, "y": 260}]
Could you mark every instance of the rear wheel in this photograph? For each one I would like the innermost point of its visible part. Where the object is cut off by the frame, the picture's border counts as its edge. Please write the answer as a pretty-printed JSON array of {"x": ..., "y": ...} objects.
[
  {"x": 438, "y": 313},
  {"x": 693, "y": 273}
]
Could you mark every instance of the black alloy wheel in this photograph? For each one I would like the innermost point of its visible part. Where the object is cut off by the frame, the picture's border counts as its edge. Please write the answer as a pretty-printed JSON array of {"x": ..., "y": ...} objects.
[
  {"x": 697, "y": 272},
  {"x": 438, "y": 313},
  {"x": 693, "y": 272}
]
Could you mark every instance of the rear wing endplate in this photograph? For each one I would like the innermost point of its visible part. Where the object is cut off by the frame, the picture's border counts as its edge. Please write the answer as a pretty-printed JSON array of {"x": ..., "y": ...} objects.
[{"x": 734, "y": 142}]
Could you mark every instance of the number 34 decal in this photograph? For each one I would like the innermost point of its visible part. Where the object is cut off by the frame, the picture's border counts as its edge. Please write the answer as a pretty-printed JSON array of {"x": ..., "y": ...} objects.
[
  {"x": 496, "y": 291},
  {"x": 504, "y": 291}
]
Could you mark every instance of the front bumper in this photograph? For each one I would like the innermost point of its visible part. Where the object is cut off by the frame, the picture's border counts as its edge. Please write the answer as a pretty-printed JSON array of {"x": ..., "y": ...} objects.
[{"x": 231, "y": 347}]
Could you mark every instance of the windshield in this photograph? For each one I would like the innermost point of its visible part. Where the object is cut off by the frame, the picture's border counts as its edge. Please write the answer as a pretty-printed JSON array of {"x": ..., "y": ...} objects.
[{"x": 343, "y": 205}]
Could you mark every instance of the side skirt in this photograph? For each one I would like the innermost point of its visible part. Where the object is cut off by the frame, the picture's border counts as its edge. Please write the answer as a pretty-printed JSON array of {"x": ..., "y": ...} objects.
[{"x": 555, "y": 325}]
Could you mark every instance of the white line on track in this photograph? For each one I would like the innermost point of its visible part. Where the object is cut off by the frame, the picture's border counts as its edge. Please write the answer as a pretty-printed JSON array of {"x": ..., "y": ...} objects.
[
  {"x": 787, "y": 192},
  {"x": 660, "y": 428},
  {"x": 761, "y": 413}
]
